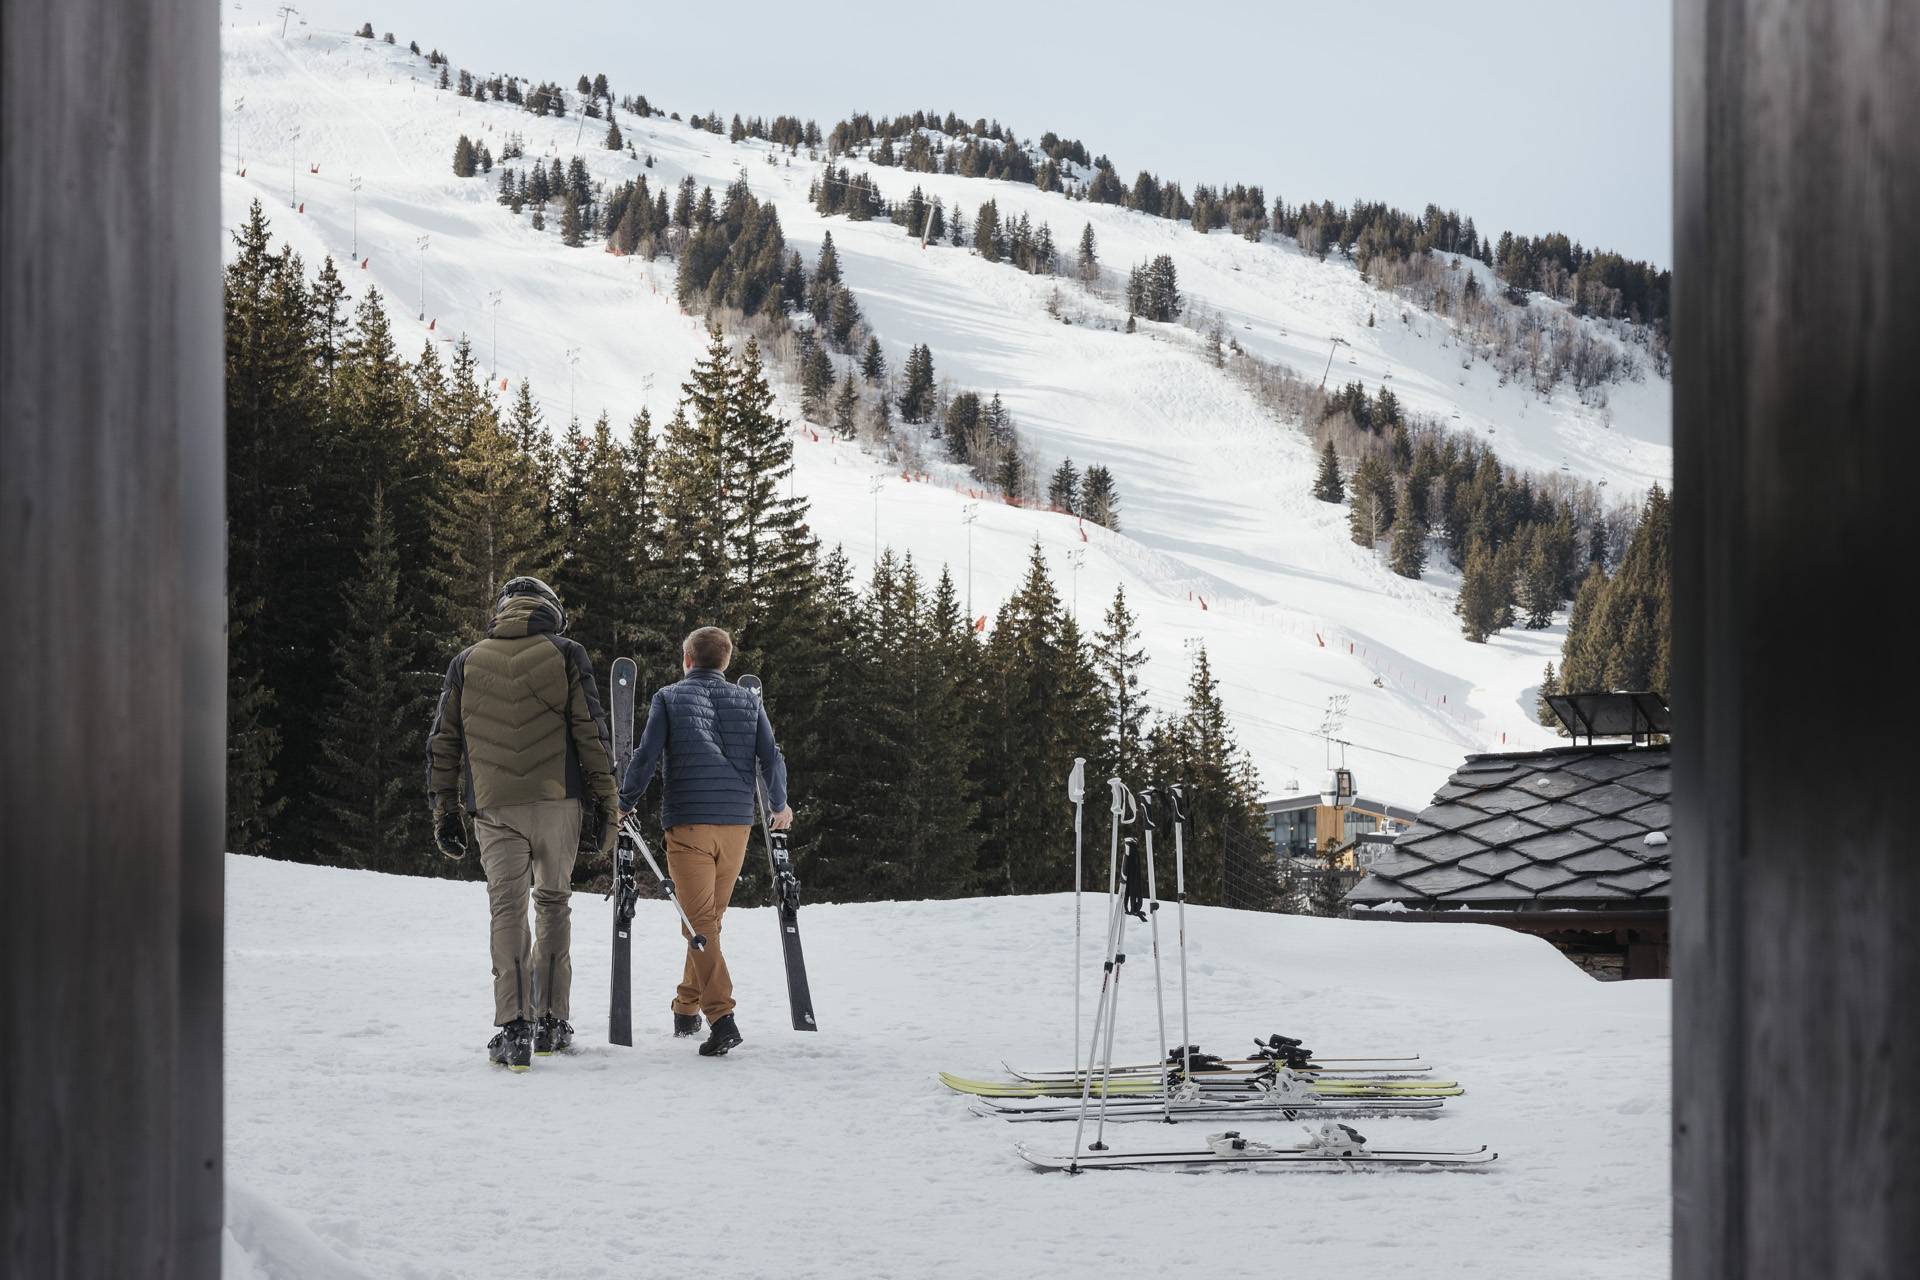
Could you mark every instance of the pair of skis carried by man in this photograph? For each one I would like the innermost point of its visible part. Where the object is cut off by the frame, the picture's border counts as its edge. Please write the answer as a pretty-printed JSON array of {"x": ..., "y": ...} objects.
[
  {"x": 1282, "y": 1081},
  {"x": 708, "y": 737}
]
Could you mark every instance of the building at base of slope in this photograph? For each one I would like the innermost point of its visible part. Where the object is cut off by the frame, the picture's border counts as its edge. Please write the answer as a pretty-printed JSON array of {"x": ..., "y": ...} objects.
[{"x": 1569, "y": 844}]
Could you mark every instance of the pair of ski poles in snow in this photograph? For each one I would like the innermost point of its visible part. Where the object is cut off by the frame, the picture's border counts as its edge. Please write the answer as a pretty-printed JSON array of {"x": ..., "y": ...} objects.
[{"x": 1125, "y": 897}]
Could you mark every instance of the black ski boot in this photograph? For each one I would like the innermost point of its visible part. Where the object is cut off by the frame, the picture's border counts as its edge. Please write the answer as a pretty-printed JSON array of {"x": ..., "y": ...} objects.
[
  {"x": 685, "y": 1024},
  {"x": 723, "y": 1037},
  {"x": 552, "y": 1035},
  {"x": 513, "y": 1047}
]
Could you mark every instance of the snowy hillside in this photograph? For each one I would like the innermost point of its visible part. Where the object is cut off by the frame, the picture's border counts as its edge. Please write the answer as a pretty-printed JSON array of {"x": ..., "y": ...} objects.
[
  {"x": 1222, "y": 540},
  {"x": 368, "y": 1137}
]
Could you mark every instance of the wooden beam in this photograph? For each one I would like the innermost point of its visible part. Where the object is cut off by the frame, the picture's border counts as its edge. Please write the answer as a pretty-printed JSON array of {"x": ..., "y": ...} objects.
[
  {"x": 1795, "y": 333},
  {"x": 111, "y": 762}
]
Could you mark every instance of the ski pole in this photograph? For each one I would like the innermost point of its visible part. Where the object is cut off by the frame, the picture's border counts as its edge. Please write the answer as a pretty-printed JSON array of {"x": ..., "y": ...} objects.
[
  {"x": 631, "y": 830},
  {"x": 1113, "y": 1001},
  {"x": 1124, "y": 812},
  {"x": 1077, "y": 793},
  {"x": 1116, "y": 925},
  {"x": 1153, "y": 918},
  {"x": 1176, "y": 801}
]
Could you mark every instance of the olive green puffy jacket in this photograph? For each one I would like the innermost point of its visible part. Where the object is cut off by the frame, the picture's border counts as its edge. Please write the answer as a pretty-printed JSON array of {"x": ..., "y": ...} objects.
[{"x": 520, "y": 718}]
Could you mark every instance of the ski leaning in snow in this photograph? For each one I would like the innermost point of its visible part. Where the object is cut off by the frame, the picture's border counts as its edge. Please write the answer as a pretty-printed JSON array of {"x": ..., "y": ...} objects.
[
  {"x": 623, "y": 683},
  {"x": 786, "y": 896},
  {"x": 1330, "y": 1146}
]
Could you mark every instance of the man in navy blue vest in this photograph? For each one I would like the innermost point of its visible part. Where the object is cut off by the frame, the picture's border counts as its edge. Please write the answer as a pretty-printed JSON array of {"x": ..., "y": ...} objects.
[{"x": 709, "y": 736}]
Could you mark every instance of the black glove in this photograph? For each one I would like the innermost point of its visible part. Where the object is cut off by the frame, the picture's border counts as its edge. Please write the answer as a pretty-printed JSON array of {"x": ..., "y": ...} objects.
[
  {"x": 450, "y": 833},
  {"x": 609, "y": 827}
]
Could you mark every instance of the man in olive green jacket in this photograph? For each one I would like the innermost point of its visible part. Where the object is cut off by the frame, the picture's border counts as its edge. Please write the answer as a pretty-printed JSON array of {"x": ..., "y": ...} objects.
[{"x": 521, "y": 743}]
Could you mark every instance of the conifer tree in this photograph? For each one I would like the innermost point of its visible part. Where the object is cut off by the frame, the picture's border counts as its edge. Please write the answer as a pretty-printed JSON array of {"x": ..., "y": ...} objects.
[
  {"x": 1197, "y": 749},
  {"x": 1040, "y": 710},
  {"x": 463, "y": 157},
  {"x": 844, "y": 406},
  {"x": 1088, "y": 260},
  {"x": 1583, "y": 657},
  {"x": 573, "y": 223},
  {"x": 252, "y": 743},
  {"x": 369, "y": 776},
  {"x": 842, "y": 316},
  {"x": 1328, "y": 487},
  {"x": 873, "y": 364},
  {"x": 1063, "y": 490},
  {"x": 916, "y": 402},
  {"x": 490, "y": 527},
  {"x": 816, "y": 381},
  {"x": 1539, "y": 587},
  {"x": 1549, "y": 687},
  {"x": 613, "y": 140},
  {"x": 1408, "y": 554},
  {"x": 1484, "y": 605},
  {"x": 1120, "y": 655},
  {"x": 1099, "y": 498},
  {"x": 1371, "y": 515}
]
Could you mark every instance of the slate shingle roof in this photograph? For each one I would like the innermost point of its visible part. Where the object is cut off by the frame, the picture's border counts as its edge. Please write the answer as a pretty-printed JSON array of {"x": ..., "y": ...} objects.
[{"x": 1543, "y": 830}]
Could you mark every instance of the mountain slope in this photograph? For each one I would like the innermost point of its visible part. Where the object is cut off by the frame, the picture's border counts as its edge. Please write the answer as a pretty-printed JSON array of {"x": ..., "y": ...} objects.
[{"x": 1222, "y": 541}]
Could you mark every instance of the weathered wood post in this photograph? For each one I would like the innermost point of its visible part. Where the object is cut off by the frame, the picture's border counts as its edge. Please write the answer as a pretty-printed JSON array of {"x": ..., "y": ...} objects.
[
  {"x": 1796, "y": 348},
  {"x": 112, "y": 693}
]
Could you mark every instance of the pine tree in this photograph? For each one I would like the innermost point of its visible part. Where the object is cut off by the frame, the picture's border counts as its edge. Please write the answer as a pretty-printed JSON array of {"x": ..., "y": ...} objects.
[
  {"x": 1408, "y": 554},
  {"x": 1197, "y": 749},
  {"x": 1539, "y": 587},
  {"x": 843, "y": 315},
  {"x": 1041, "y": 710},
  {"x": 844, "y": 405},
  {"x": 492, "y": 524},
  {"x": 369, "y": 780},
  {"x": 1327, "y": 487},
  {"x": 252, "y": 743},
  {"x": 1099, "y": 499},
  {"x": 916, "y": 402},
  {"x": 1063, "y": 490},
  {"x": 613, "y": 140},
  {"x": 573, "y": 223},
  {"x": 816, "y": 381},
  {"x": 1371, "y": 515},
  {"x": 1088, "y": 261},
  {"x": 873, "y": 365},
  {"x": 1583, "y": 657},
  {"x": 1483, "y": 606},
  {"x": 1549, "y": 687},
  {"x": 1120, "y": 655},
  {"x": 463, "y": 157}
]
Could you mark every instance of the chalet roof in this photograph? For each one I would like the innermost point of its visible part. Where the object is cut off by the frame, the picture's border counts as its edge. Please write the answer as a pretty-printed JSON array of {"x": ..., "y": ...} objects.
[{"x": 1565, "y": 828}]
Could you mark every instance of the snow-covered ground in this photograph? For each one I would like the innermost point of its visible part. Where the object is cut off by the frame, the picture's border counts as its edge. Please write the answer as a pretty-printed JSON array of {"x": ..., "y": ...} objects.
[
  {"x": 1216, "y": 507},
  {"x": 367, "y": 1136}
]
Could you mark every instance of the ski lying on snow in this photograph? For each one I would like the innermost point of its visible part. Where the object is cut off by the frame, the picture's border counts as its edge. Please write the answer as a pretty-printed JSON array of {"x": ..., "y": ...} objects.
[
  {"x": 1235, "y": 1071},
  {"x": 1209, "y": 1109},
  {"x": 1151, "y": 1086},
  {"x": 1230, "y": 1150}
]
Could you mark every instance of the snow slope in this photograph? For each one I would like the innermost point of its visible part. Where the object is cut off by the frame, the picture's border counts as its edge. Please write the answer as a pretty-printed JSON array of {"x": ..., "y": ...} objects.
[
  {"x": 368, "y": 1137},
  {"x": 1222, "y": 541}
]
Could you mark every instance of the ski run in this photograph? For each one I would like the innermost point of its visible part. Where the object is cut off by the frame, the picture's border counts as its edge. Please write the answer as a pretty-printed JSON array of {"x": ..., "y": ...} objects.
[
  {"x": 367, "y": 1137},
  {"x": 1221, "y": 539}
]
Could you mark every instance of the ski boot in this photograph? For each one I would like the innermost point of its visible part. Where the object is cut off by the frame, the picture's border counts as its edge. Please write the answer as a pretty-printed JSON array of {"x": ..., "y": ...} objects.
[
  {"x": 723, "y": 1036},
  {"x": 513, "y": 1047},
  {"x": 685, "y": 1024},
  {"x": 552, "y": 1036}
]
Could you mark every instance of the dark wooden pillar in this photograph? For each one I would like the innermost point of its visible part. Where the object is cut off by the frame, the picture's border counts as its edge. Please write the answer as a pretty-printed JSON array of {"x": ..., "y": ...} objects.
[
  {"x": 112, "y": 688},
  {"x": 1796, "y": 357}
]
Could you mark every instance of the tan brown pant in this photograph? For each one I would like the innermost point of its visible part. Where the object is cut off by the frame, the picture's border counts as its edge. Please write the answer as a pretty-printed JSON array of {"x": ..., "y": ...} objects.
[
  {"x": 532, "y": 973},
  {"x": 704, "y": 861}
]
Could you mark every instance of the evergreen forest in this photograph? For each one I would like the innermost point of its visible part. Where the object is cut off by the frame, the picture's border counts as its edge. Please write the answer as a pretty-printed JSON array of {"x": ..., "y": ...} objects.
[{"x": 378, "y": 502}]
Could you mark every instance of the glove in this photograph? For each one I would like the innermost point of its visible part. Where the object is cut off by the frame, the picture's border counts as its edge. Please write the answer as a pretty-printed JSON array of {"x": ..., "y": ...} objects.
[
  {"x": 450, "y": 833},
  {"x": 609, "y": 827}
]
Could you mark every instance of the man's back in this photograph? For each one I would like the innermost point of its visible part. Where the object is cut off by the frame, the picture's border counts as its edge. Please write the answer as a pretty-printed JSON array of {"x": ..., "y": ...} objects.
[{"x": 708, "y": 734}]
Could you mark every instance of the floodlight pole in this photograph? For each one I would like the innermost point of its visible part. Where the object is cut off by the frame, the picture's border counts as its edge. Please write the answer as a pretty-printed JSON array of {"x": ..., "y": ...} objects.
[
  {"x": 353, "y": 185},
  {"x": 422, "y": 242},
  {"x": 293, "y": 168},
  {"x": 969, "y": 513},
  {"x": 874, "y": 485},
  {"x": 573, "y": 363},
  {"x": 493, "y": 361}
]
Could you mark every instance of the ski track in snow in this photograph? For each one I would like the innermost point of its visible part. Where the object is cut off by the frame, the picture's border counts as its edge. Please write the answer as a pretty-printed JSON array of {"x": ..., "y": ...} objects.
[
  {"x": 1215, "y": 494},
  {"x": 367, "y": 1136}
]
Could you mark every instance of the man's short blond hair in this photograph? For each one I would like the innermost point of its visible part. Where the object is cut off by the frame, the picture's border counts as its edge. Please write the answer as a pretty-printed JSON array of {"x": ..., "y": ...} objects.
[{"x": 709, "y": 647}]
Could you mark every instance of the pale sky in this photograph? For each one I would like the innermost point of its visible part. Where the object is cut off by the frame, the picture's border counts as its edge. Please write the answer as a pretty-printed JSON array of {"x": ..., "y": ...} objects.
[{"x": 1529, "y": 117}]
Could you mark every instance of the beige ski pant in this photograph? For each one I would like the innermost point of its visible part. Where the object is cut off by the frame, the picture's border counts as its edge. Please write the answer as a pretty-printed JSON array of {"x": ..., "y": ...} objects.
[
  {"x": 704, "y": 860},
  {"x": 521, "y": 844}
]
